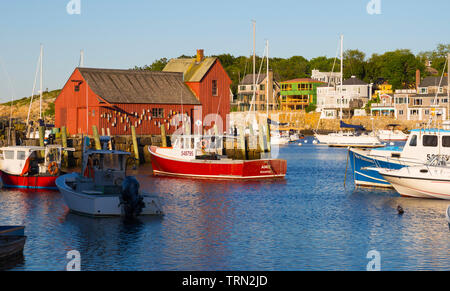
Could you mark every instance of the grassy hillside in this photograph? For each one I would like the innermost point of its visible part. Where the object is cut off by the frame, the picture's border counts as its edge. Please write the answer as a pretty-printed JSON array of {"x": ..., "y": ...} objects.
[{"x": 20, "y": 106}]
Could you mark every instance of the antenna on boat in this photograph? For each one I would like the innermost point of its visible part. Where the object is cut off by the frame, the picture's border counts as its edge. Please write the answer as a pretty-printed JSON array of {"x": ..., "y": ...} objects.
[{"x": 34, "y": 88}]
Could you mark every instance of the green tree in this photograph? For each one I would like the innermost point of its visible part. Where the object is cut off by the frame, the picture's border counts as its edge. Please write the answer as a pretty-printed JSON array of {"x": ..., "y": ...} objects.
[{"x": 354, "y": 64}]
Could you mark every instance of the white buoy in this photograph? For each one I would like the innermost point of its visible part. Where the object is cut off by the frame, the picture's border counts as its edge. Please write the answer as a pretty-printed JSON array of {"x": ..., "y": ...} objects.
[
  {"x": 300, "y": 144},
  {"x": 306, "y": 141},
  {"x": 314, "y": 141},
  {"x": 392, "y": 143}
]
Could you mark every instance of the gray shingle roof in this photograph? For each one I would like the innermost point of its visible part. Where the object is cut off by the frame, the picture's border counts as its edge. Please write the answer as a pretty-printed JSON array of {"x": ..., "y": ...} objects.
[
  {"x": 354, "y": 81},
  {"x": 433, "y": 82},
  {"x": 248, "y": 79},
  {"x": 139, "y": 87}
]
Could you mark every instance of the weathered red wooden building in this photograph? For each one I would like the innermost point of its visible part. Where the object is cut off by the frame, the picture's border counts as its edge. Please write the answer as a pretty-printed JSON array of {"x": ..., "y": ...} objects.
[{"x": 119, "y": 99}]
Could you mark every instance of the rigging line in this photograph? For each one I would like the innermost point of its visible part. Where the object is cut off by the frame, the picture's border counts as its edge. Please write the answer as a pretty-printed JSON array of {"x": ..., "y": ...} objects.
[
  {"x": 34, "y": 88},
  {"x": 437, "y": 92},
  {"x": 334, "y": 64}
]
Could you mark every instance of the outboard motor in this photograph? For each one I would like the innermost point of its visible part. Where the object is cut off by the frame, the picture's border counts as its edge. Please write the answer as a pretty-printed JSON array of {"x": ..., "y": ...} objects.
[{"x": 132, "y": 201}]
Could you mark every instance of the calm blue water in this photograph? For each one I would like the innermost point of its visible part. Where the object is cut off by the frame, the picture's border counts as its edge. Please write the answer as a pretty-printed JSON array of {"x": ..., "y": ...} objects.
[{"x": 308, "y": 221}]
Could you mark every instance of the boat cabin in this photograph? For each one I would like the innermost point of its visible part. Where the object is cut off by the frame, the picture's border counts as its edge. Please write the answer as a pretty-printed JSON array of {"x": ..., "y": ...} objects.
[
  {"x": 30, "y": 160},
  {"x": 103, "y": 171}
]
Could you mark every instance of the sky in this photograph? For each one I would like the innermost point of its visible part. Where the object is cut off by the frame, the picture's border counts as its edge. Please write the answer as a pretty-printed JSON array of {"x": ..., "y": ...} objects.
[{"x": 123, "y": 34}]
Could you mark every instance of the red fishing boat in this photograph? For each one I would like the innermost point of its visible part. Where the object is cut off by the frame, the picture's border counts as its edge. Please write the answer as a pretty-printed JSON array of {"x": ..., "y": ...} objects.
[
  {"x": 30, "y": 167},
  {"x": 179, "y": 161}
]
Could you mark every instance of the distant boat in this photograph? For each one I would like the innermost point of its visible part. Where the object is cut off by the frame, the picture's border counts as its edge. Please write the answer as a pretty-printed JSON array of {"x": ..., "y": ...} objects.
[
  {"x": 184, "y": 161},
  {"x": 103, "y": 189},
  {"x": 12, "y": 241},
  {"x": 358, "y": 138},
  {"x": 392, "y": 134},
  {"x": 428, "y": 181}
]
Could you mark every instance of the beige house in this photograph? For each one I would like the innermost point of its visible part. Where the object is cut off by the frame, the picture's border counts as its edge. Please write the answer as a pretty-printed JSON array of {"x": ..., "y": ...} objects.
[
  {"x": 429, "y": 101},
  {"x": 245, "y": 101}
]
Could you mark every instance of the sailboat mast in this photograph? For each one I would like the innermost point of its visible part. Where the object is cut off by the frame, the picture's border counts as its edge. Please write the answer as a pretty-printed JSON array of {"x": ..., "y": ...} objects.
[
  {"x": 267, "y": 80},
  {"x": 41, "y": 82},
  {"x": 342, "y": 74},
  {"x": 254, "y": 63}
]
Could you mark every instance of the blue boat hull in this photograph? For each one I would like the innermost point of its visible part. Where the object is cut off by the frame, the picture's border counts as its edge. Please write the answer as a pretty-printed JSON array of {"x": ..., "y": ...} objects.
[{"x": 364, "y": 177}]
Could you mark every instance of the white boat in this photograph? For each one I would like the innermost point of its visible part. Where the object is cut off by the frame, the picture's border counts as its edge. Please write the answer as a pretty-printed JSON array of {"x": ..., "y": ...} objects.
[
  {"x": 278, "y": 139},
  {"x": 358, "y": 138},
  {"x": 422, "y": 146},
  {"x": 427, "y": 181},
  {"x": 392, "y": 134},
  {"x": 104, "y": 189}
]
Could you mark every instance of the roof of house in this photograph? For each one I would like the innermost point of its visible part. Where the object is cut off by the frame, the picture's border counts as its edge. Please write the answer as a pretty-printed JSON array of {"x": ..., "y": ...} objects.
[
  {"x": 432, "y": 95},
  {"x": 302, "y": 80},
  {"x": 354, "y": 81},
  {"x": 138, "y": 87},
  {"x": 433, "y": 82},
  {"x": 193, "y": 71},
  {"x": 248, "y": 79}
]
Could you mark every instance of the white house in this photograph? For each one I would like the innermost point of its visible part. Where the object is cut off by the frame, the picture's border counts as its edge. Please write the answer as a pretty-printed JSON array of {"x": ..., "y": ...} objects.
[
  {"x": 355, "y": 95},
  {"x": 331, "y": 78}
]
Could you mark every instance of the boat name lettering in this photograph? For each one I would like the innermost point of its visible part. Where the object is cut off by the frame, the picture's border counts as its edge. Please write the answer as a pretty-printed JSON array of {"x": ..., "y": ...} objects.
[
  {"x": 432, "y": 156},
  {"x": 187, "y": 153}
]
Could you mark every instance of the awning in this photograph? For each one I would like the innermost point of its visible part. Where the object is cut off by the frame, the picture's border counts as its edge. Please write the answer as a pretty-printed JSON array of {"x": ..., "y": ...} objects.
[{"x": 356, "y": 127}]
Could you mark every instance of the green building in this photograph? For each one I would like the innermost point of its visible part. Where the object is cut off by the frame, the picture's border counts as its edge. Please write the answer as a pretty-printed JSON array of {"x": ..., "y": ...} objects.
[{"x": 298, "y": 94}]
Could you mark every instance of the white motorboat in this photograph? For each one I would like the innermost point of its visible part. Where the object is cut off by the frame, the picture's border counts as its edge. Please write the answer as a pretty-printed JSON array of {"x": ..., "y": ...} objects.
[
  {"x": 358, "y": 138},
  {"x": 104, "y": 189},
  {"x": 392, "y": 134},
  {"x": 427, "y": 181},
  {"x": 278, "y": 139}
]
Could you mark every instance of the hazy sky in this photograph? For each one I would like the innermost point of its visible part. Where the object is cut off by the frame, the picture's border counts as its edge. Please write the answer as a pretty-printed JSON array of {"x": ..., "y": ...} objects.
[{"x": 122, "y": 34}]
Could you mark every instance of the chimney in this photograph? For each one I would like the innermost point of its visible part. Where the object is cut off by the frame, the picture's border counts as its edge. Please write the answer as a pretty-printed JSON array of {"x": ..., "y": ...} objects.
[
  {"x": 200, "y": 56},
  {"x": 417, "y": 79}
]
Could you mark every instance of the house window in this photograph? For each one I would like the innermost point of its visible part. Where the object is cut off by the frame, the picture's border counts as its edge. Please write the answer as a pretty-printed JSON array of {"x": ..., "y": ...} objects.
[
  {"x": 423, "y": 90},
  {"x": 77, "y": 88},
  {"x": 214, "y": 87},
  {"x": 417, "y": 101},
  {"x": 400, "y": 112},
  {"x": 262, "y": 87},
  {"x": 158, "y": 112},
  {"x": 242, "y": 88}
]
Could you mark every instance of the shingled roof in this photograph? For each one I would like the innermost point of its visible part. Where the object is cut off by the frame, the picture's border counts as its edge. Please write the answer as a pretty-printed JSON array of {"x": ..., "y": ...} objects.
[
  {"x": 193, "y": 71},
  {"x": 433, "y": 82},
  {"x": 138, "y": 87},
  {"x": 248, "y": 79}
]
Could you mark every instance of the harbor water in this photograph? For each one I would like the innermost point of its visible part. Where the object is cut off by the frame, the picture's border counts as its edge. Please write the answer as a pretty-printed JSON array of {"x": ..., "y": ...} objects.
[{"x": 308, "y": 221}]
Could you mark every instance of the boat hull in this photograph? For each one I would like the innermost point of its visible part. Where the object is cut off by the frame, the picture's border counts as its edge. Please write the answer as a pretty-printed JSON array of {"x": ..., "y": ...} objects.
[
  {"x": 419, "y": 187},
  {"x": 11, "y": 246},
  {"x": 100, "y": 205},
  {"x": 28, "y": 182},
  {"x": 364, "y": 168},
  {"x": 217, "y": 169}
]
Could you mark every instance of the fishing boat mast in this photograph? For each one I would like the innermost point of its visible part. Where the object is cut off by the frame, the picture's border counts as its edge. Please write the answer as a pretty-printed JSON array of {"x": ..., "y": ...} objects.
[
  {"x": 342, "y": 75},
  {"x": 254, "y": 64},
  {"x": 267, "y": 79},
  {"x": 448, "y": 87},
  {"x": 40, "y": 83}
]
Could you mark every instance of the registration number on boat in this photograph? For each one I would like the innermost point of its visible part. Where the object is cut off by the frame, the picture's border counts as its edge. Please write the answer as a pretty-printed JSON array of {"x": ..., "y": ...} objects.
[{"x": 187, "y": 153}]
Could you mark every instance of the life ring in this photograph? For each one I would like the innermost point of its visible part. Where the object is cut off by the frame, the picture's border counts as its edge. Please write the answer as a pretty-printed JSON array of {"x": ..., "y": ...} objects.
[{"x": 53, "y": 168}]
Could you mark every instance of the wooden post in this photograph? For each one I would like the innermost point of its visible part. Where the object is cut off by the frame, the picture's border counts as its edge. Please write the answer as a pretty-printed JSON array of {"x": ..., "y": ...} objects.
[
  {"x": 261, "y": 139},
  {"x": 98, "y": 145},
  {"x": 135, "y": 144},
  {"x": 64, "y": 144},
  {"x": 163, "y": 136},
  {"x": 108, "y": 132},
  {"x": 41, "y": 135}
]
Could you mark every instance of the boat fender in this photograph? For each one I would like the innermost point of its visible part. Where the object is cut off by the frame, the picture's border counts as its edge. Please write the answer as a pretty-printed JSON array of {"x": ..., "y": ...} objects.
[
  {"x": 26, "y": 168},
  {"x": 130, "y": 199},
  {"x": 204, "y": 143}
]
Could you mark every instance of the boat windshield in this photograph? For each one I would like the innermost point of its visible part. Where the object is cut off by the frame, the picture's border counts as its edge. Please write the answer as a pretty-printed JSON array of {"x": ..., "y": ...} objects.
[{"x": 108, "y": 161}]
